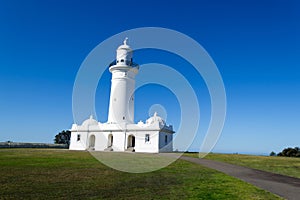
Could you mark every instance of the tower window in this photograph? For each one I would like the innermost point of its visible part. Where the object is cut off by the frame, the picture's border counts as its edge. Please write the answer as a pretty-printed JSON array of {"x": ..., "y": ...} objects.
[
  {"x": 123, "y": 117},
  {"x": 147, "y": 138},
  {"x": 78, "y": 137},
  {"x": 122, "y": 60}
]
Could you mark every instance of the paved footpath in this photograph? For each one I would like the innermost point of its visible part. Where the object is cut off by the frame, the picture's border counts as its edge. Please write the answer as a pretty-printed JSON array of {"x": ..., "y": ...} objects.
[{"x": 284, "y": 186}]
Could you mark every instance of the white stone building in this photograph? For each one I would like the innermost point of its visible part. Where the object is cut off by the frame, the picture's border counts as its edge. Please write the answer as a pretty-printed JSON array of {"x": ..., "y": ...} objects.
[{"x": 120, "y": 133}]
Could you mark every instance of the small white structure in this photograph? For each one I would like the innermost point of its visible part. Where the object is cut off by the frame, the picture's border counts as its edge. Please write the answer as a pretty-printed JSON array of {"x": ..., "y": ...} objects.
[{"x": 120, "y": 133}]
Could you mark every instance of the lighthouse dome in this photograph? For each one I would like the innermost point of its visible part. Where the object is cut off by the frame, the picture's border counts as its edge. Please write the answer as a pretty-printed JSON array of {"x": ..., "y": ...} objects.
[
  {"x": 156, "y": 118},
  {"x": 125, "y": 45},
  {"x": 90, "y": 122},
  {"x": 124, "y": 54}
]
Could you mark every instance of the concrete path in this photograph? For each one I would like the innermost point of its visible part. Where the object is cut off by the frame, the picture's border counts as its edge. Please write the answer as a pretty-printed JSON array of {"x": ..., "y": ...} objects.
[{"x": 284, "y": 186}]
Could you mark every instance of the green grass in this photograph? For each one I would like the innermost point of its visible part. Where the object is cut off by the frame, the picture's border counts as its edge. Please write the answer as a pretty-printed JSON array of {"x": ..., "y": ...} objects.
[
  {"x": 63, "y": 174},
  {"x": 280, "y": 165}
]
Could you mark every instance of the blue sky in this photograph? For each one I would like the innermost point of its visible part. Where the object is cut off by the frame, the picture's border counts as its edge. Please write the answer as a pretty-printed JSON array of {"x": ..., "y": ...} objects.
[{"x": 255, "y": 44}]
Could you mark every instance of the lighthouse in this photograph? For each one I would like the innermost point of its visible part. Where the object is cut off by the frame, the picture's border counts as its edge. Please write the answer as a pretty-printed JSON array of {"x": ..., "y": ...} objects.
[
  {"x": 120, "y": 133},
  {"x": 121, "y": 104}
]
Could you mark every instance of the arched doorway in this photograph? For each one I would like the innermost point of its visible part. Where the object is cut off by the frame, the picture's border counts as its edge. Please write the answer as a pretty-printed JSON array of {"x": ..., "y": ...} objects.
[
  {"x": 110, "y": 140},
  {"x": 92, "y": 142},
  {"x": 131, "y": 141}
]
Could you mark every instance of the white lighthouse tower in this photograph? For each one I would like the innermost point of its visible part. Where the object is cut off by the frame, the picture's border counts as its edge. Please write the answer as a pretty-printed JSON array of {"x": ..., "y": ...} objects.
[
  {"x": 121, "y": 104},
  {"x": 120, "y": 133}
]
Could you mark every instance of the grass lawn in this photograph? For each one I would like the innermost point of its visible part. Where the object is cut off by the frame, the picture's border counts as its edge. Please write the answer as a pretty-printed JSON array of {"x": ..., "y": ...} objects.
[
  {"x": 280, "y": 165},
  {"x": 64, "y": 174}
]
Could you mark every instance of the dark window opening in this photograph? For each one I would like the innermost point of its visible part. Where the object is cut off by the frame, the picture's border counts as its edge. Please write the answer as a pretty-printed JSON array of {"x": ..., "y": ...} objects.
[
  {"x": 166, "y": 139},
  {"x": 122, "y": 60},
  {"x": 147, "y": 138},
  {"x": 78, "y": 137},
  {"x": 123, "y": 117}
]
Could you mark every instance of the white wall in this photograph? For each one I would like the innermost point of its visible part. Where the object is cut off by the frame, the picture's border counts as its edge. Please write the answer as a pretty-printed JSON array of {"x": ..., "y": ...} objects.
[
  {"x": 148, "y": 147},
  {"x": 78, "y": 145},
  {"x": 119, "y": 141},
  {"x": 101, "y": 141},
  {"x": 163, "y": 146}
]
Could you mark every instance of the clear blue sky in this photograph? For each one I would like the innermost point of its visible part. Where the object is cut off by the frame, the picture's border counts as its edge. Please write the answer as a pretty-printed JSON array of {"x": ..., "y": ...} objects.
[{"x": 255, "y": 44}]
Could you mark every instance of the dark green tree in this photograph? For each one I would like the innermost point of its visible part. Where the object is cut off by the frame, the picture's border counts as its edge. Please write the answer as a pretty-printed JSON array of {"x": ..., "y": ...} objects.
[
  {"x": 63, "y": 137},
  {"x": 290, "y": 152},
  {"x": 272, "y": 153}
]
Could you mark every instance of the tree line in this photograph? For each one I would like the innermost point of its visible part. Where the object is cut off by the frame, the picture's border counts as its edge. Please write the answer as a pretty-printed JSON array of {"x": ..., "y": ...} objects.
[{"x": 288, "y": 152}]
